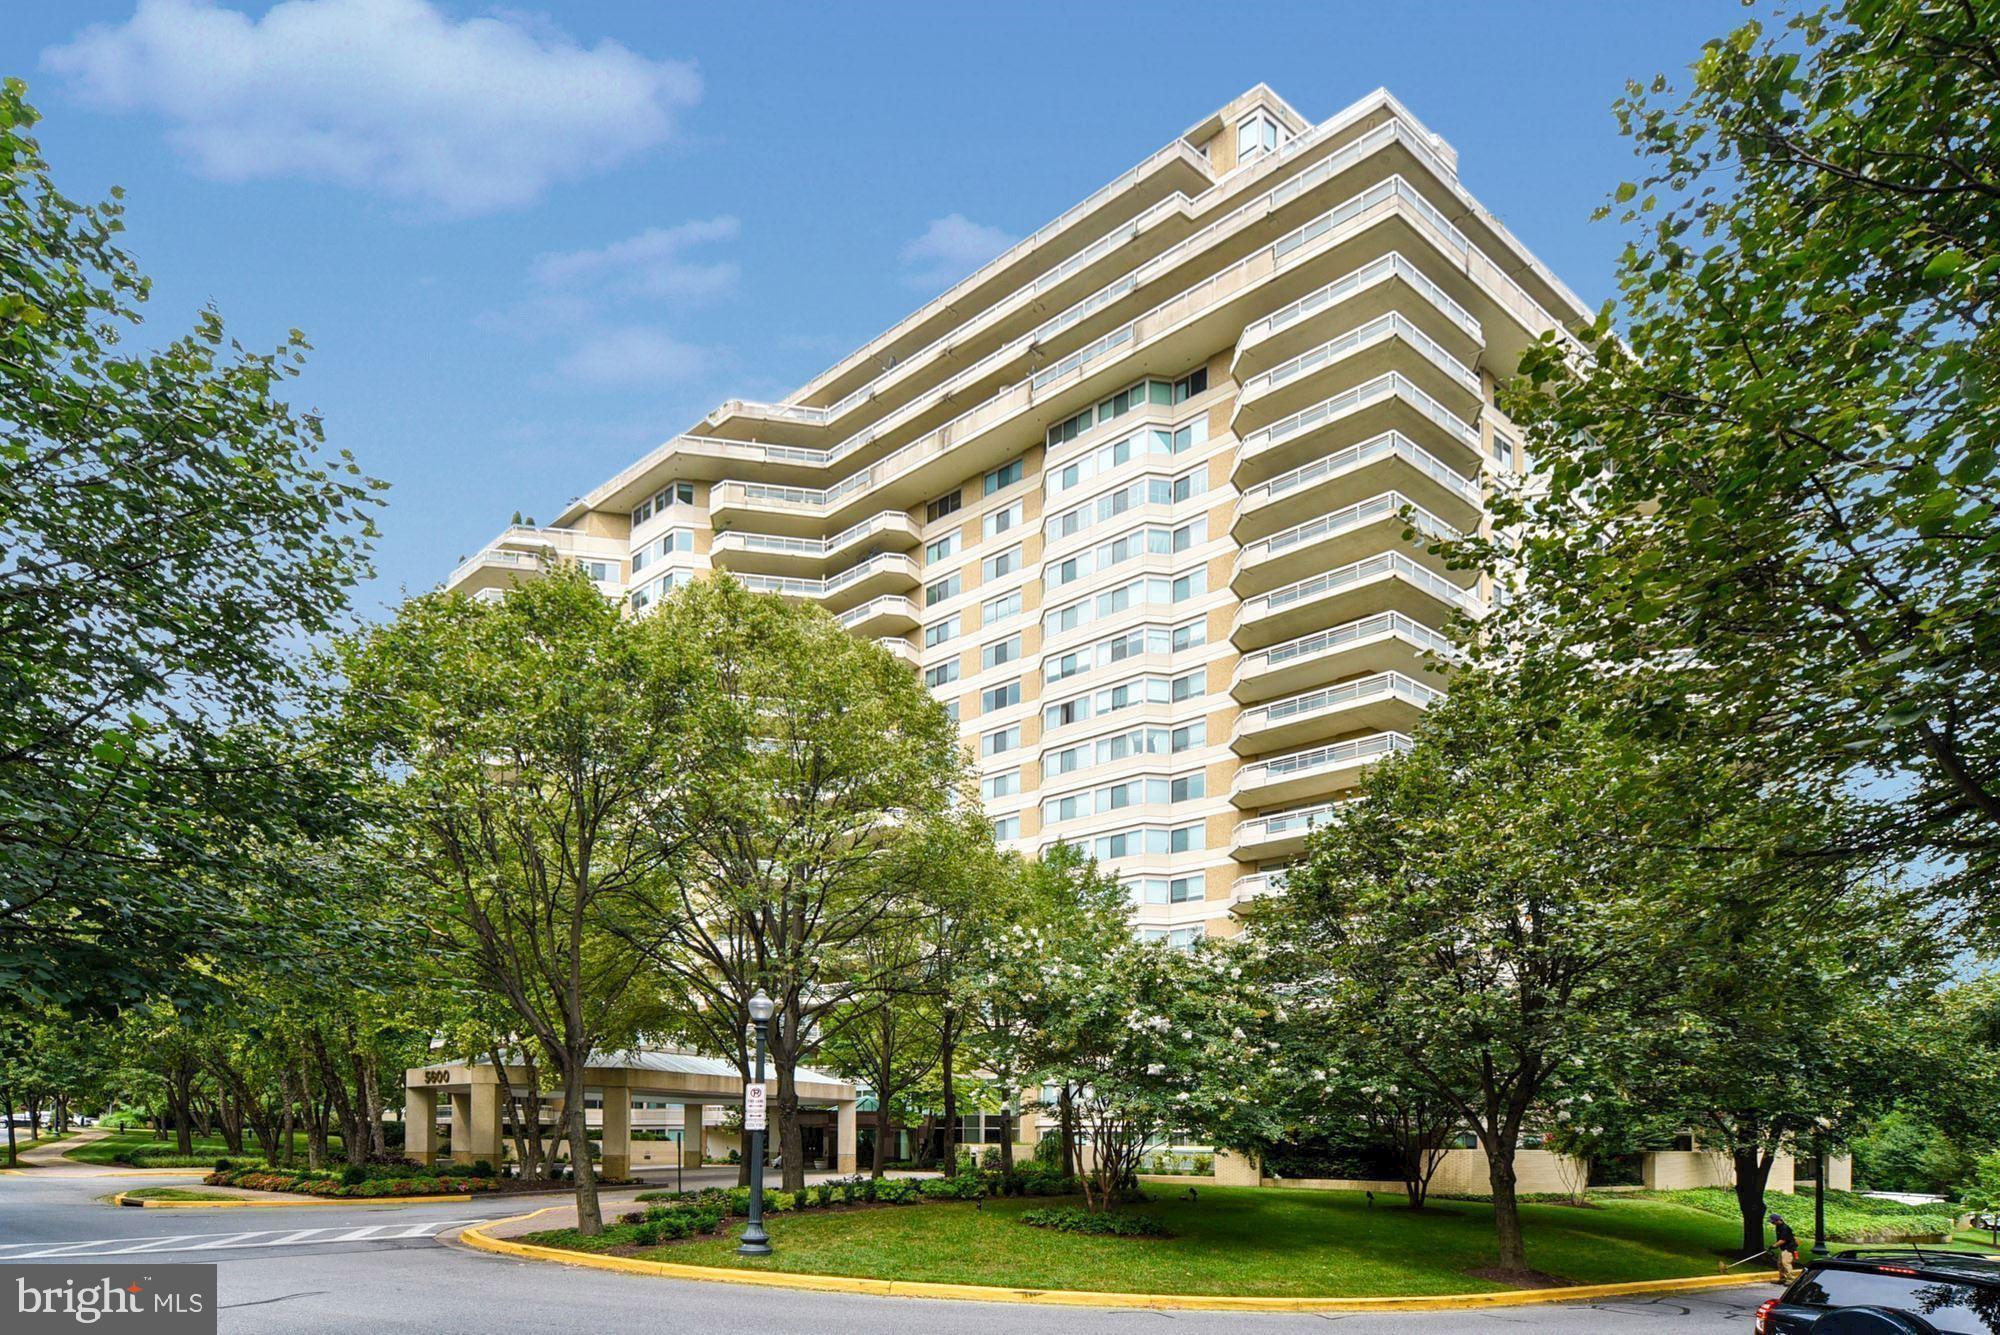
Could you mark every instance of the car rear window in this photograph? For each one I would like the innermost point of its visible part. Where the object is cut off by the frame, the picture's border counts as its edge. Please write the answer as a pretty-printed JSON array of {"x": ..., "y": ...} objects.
[{"x": 1957, "y": 1309}]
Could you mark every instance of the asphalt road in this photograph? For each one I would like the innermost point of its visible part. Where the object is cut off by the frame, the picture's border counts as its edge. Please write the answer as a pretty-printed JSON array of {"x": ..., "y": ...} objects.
[{"x": 382, "y": 1269}]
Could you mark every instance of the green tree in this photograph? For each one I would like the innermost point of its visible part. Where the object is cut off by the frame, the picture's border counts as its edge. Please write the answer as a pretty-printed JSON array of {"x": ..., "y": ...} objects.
[
  {"x": 532, "y": 757},
  {"x": 1768, "y": 488},
  {"x": 1483, "y": 912},
  {"x": 169, "y": 529},
  {"x": 819, "y": 765}
]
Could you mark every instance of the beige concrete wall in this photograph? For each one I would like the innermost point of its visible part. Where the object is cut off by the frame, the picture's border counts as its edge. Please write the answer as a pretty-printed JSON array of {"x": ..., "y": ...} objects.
[{"x": 1679, "y": 1170}]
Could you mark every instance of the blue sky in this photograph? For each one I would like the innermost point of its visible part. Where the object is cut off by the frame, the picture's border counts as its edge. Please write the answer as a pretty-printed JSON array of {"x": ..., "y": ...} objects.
[{"x": 530, "y": 245}]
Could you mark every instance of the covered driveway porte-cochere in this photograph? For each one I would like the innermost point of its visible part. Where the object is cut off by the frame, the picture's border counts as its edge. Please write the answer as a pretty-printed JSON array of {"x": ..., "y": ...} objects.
[{"x": 657, "y": 1076}]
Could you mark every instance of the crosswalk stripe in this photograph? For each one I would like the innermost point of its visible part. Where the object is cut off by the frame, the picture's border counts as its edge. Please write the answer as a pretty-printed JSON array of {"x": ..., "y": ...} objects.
[{"x": 207, "y": 1242}]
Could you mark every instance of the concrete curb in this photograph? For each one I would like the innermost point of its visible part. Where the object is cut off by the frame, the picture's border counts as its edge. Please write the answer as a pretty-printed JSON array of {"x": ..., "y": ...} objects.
[
  {"x": 304, "y": 1203},
  {"x": 477, "y": 1237}
]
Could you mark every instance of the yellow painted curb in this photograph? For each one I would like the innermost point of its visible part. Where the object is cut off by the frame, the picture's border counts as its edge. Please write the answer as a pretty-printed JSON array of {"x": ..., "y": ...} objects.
[
  {"x": 477, "y": 1237},
  {"x": 304, "y": 1203}
]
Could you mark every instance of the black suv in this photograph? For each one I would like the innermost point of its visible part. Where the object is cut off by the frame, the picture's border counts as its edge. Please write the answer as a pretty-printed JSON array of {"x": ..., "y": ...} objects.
[{"x": 1889, "y": 1291}]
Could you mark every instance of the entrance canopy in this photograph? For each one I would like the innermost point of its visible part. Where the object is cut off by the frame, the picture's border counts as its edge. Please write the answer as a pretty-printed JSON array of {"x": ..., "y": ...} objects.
[{"x": 687, "y": 1078}]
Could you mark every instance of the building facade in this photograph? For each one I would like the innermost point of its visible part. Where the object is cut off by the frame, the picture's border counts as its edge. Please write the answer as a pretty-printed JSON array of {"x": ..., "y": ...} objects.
[{"x": 1132, "y": 498}]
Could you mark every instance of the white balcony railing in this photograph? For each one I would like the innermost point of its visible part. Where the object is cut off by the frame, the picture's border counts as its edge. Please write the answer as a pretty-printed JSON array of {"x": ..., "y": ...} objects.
[
  {"x": 1258, "y": 885},
  {"x": 1393, "y": 384},
  {"x": 1320, "y": 760},
  {"x": 1280, "y": 825},
  {"x": 1329, "y": 582},
  {"x": 794, "y": 586},
  {"x": 1389, "y": 443},
  {"x": 1330, "y": 698},
  {"x": 811, "y": 547},
  {"x": 1378, "y": 330},
  {"x": 890, "y": 604},
  {"x": 1392, "y": 265},
  {"x": 1386, "y": 506},
  {"x": 1320, "y": 643}
]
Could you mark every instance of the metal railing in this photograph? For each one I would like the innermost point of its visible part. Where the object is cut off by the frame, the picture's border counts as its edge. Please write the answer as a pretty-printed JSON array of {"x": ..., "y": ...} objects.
[
  {"x": 1307, "y": 647},
  {"x": 1392, "y": 265},
  {"x": 1391, "y": 384},
  {"x": 888, "y": 604},
  {"x": 1381, "y": 328},
  {"x": 1318, "y": 760},
  {"x": 1386, "y": 505},
  {"x": 1329, "y": 698},
  {"x": 1385, "y": 445},
  {"x": 1332, "y": 581},
  {"x": 1299, "y": 820}
]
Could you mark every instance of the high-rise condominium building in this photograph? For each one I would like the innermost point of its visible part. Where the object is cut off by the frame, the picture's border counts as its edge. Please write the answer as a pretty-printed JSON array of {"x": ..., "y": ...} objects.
[{"x": 1132, "y": 497}]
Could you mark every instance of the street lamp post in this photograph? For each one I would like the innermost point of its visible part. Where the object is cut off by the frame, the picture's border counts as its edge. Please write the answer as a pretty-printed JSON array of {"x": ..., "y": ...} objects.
[{"x": 756, "y": 1242}]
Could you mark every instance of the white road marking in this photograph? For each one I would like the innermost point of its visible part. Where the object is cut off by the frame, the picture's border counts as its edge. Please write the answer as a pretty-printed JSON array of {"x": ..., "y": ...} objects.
[{"x": 209, "y": 1242}]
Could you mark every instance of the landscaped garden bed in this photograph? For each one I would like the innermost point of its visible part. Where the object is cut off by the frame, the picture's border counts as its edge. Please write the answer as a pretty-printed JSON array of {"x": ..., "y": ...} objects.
[
  {"x": 1228, "y": 1240},
  {"x": 380, "y": 1180},
  {"x": 1850, "y": 1217}
]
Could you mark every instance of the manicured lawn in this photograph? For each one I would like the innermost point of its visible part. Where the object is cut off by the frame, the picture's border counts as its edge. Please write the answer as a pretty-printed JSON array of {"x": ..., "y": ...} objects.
[
  {"x": 108, "y": 1150},
  {"x": 179, "y": 1194},
  {"x": 1237, "y": 1241}
]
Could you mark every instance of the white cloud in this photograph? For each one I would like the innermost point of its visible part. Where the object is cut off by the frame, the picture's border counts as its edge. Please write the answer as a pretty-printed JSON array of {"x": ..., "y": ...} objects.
[
  {"x": 634, "y": 355},
  {"x": 386, "y": 95},
  {"x": 950, "y": 248},
  {"x": 652, "y": 264}
]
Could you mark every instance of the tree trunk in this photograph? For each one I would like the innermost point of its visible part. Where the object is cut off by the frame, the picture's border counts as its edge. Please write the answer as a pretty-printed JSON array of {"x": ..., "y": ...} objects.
[
  {"x": 371, "y": 1099},
  {"x": 881, "y": 1154},
  {"x": 791, "y": 1140},
  {"x": 1500, "y": 1152},
  {"x": 1753, "y": 1171},
  {"x": 1066, "y": 1128},
  {"x": 180, "y": 1098},
  {"x": 589, "y": 1215},
  {"x": 7, "y": 1102},
  {"x": 947, "y": 1042},
  {"x": 1008, "y": 1125}
]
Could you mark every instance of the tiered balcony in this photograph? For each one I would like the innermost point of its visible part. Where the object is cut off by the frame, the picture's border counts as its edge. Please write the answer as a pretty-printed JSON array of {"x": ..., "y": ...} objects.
[
  {"x": 520, "y": 552},
  {"x": 1389, "y": 342},
  {"x": 1385, "y": 642},
  {"x": 890, "y": 615},
  {"x": 1393, "y": 282},
  {"x": 748, "y": 550},
  {"x": 1279, "y": 834},
  {"x": 1338, "y": 537},
  {"x": 1387, "y": 217},
  {"x": 880, "y": 574},
  {"x": 1388, "y": 582},
  {"x": 1316, "y": 773},
  {"x": 1389, "y": 402},
  {"x": 1384, "y": 702},
  {"x": 1256, "y": 886},
  {"x": 1388, "y": 462}
]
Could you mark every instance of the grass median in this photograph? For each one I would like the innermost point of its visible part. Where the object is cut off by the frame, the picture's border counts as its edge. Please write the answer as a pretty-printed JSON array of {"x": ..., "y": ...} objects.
[{"x": 1234, "y": 1241}]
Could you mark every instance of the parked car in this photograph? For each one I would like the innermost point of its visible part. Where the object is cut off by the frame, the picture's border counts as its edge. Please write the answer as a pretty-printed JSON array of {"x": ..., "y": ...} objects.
[{"x": 1889, "y": 1291}]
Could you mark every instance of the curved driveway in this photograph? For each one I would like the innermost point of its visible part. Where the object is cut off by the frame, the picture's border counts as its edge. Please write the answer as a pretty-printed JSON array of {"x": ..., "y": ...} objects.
[{"x": 382, "y": 1268}]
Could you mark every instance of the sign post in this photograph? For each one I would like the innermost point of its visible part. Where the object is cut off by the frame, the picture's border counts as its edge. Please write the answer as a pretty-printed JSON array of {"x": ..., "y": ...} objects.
[{"x": 756, "y": 1242}]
